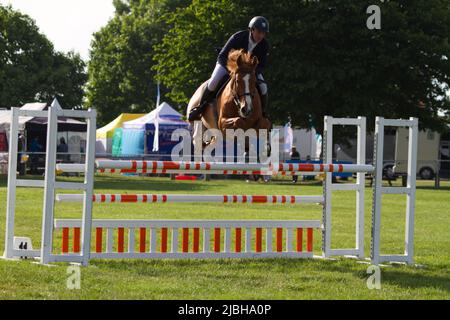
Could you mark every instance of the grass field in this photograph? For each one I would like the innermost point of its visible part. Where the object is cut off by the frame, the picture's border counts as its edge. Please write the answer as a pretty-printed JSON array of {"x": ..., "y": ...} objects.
[{"x": 239, "y": 279}]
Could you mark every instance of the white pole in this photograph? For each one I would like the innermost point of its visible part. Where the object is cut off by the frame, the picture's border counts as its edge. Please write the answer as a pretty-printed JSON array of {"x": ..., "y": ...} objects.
[
  {"x": 327, "y": 158},
  {"x": 182, "y": 198},
  {"x": 89, "y": 184},
  {"x": 377, "y": 191},
  {"x": 156, "y": 133},
  {"x": 49, "y": 191},
  {"x": 411, "y": 185},
  {"x": 216, "y": 166},
  {"x": 12, "y": 179},
  {"x": 361, "y": 183}
]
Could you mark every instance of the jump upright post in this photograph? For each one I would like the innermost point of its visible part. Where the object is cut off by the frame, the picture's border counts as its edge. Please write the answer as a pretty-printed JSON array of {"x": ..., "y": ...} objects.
[
  {"x": 410, "y": 191},
  {"x": 359, "y": 186},
  {"x": 50, "y": 185}
]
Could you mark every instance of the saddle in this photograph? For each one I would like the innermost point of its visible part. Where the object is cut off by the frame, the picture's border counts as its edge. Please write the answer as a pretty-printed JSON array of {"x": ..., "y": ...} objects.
[
  {"x": 222, "y": 86},
  {"x": 224, "y": 83}
]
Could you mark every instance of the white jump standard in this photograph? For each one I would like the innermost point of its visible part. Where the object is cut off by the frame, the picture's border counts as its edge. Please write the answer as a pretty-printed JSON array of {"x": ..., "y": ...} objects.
[
  {"x": 251, "y": 239},
  {"x": 359, "y": 187},
  {"x": 409, "y": 191}
]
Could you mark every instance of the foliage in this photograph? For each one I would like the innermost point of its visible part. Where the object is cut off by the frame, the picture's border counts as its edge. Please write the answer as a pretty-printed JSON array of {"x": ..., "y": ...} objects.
[
  {"x": 324, "y": 60},
  {"x": 120, "y": 70},
  {"x": 31, "y": 70}
]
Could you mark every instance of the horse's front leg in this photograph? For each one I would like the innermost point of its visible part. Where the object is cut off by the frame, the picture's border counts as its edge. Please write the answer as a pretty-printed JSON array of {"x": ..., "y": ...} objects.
[
  {"x": 230, "y": 123},
  {"x": 236, "y": 123}
]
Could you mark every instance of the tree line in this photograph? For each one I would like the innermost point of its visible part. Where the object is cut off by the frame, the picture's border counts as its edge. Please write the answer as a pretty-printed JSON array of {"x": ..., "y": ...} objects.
[{"x": 324, "y": 60}]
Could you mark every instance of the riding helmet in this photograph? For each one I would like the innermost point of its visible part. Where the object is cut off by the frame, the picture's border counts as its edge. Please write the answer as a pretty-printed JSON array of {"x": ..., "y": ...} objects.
[{"x": 260, "y": 23}]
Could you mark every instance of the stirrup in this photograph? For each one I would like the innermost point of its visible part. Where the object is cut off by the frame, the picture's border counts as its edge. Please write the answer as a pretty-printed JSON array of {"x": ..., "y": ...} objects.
[{"x": 197, "y": 112}]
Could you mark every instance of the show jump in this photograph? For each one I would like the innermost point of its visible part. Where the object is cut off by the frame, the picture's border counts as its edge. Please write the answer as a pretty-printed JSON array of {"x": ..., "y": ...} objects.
[{"x": 84, "y": 239}]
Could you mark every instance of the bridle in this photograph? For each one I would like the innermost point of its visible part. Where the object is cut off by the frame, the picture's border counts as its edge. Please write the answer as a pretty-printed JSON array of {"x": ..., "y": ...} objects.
[{"x": 237, "y": 96}]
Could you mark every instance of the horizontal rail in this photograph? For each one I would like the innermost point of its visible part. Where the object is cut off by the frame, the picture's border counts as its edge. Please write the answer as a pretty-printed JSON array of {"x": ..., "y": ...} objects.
[
  {"x": 346, "y": 121},
  {"x": 30, "y": 183},
  {"x": 345, "y": 187},
  {"x": 32, "y": 113},
  {"x": 394, "y": 257},
  {"x": 73, "y": 258},
  {"x": 398, "y": 123},
  {"x": 201, "y": 255},
  {"x": 111, "y": 166},
  {"x": 70, "y": 185},
  {"x": 194, "y": 166},
  {"x": 76, "y": 223},
  {"x": 71, "y": 167},
  {"x": 210, "y": 172},
  {"x": 344, "y": 252},
  {"x": 179, "y": 198},
  {"x": 27, "y": 253},
  {"x": 80, "y": 168},
  {"x": 395, "y": 190},
  {"x": 85, "y": 114}
]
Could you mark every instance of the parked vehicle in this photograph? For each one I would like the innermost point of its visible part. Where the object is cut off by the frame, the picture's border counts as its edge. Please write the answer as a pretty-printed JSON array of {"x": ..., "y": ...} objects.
[{"x": 427, "y": 157}]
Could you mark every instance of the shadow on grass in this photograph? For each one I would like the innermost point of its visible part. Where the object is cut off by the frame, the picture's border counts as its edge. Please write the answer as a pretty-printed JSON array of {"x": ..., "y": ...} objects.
[
  {"x": 130, "y": 183},
  {"x": 286, "y": 183},
  {"x": 442, "y": 188},
  {"x": 422, "y": 280},
  {"x": 398, "y": 275},
  {"x": 401, "y": 276}
]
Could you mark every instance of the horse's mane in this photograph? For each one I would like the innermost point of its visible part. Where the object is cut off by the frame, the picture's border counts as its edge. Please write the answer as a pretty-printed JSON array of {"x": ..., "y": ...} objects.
[{"x": 240, "y": 60}]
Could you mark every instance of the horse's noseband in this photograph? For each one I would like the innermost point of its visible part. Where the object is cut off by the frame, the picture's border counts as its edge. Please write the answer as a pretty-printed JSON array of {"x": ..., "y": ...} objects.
[{"x": 237, "y": 97}]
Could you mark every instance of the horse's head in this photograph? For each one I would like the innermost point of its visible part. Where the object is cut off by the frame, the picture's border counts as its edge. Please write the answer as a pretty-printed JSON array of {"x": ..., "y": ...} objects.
[{"x": 242, "y": 66}]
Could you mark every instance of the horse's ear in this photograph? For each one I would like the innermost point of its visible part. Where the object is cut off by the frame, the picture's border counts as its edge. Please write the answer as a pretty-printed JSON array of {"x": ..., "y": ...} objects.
[{"x": 255, "y": 61}]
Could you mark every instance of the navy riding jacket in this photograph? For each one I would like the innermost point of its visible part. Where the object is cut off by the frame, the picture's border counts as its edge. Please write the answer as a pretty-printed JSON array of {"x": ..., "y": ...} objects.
[{"x": 239, "y": 41}]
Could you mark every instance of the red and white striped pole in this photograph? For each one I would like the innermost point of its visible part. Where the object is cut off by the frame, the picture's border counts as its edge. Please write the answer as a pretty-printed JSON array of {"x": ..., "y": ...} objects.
[{"x": 173, "y": 198}]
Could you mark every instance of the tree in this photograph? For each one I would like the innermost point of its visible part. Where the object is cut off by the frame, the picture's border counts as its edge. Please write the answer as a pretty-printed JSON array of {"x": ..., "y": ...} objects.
[
  {"x": 31, "y": 70},
  {"x": 121, "y": 78},
  {"x": 324, "y": 60},
  {"x": 187, "y": 54}
]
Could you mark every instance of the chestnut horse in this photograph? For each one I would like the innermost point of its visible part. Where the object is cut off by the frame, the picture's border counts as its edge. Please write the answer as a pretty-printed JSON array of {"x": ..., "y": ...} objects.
[{"x": 238, "y": 105}]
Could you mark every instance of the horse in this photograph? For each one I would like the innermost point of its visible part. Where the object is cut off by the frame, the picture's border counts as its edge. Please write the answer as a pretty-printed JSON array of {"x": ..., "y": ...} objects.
[{"x": 238, "y": 103}]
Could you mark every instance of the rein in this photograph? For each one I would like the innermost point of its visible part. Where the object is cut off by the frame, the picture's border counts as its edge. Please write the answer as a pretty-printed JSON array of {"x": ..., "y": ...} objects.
[{"x": 236, "y": 96}]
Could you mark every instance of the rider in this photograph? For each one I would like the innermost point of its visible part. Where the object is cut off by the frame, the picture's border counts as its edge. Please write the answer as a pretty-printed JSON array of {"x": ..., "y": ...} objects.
[{"x": 253, "y": 41}]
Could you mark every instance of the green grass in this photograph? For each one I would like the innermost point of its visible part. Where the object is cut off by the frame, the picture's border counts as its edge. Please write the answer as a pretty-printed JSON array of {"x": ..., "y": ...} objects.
[{"x": 239, "y": 279}]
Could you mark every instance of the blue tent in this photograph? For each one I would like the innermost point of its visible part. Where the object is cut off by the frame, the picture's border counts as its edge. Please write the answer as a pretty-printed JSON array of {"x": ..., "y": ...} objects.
[{"x": 138, "y": 135}]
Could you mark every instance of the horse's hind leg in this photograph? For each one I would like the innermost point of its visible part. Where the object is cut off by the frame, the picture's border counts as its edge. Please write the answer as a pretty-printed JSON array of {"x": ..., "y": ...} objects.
[
  {"x": 210, "y": 122},
  {"x": 197, "y": 130},
  {"x": 209, "y": 118}
]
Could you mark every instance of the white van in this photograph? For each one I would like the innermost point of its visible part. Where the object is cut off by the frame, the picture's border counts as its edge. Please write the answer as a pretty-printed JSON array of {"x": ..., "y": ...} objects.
[{"x": 427, "y": 156}]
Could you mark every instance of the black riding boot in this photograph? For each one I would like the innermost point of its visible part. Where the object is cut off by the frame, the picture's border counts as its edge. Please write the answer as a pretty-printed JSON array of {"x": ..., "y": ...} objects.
[{"x": 196, "y": 112}]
